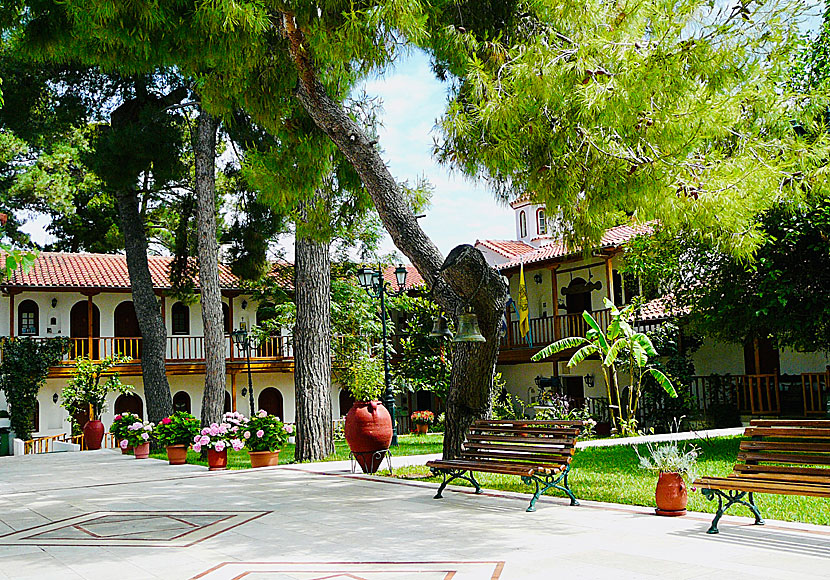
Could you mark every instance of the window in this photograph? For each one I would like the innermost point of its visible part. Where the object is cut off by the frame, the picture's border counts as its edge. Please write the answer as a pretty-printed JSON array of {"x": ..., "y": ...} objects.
[
  {"x": 522, "y": 224},
  {"x": 27, "y": 314},
  {"x": 632, "y": 287},
  {"x": 541, "y": 222},
  {"x": 180, "y": 314}
]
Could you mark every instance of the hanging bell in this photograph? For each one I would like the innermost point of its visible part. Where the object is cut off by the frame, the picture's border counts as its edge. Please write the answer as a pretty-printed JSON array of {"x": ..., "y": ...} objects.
[
  {"x": 468, "y": 329},
  {"x": 440, "y": 328}
]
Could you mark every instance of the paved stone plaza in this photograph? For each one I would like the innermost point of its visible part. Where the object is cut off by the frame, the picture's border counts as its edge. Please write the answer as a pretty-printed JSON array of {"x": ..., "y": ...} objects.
[{"x": 97, "y": 515}]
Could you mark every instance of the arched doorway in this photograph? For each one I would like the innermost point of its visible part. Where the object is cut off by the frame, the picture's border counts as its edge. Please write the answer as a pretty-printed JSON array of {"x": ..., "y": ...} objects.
[
  {"x": 181, "y": 402},
  {"x": 79, "y": 328},
  {"x": 346, "y": 401},
  {"x": 129, "y": 403},
  {"x": 127, "y": 331},
  {"x": 271, "y": 400},
  {"x": 226, "y": 317},
  {"x": 227, "y": 402}
]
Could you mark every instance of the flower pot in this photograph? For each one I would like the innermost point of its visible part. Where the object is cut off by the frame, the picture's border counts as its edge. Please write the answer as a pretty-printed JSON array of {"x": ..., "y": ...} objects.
[
  {"x": 125, "y": 450},
  {"x": 177, "y": 454},
  {"x": 93, "y": 434},
  {"x": 421, "y": 429},
  {"x": 671, "y": 495},
  {"x": 142, "y": 451},
  {"x": 368, "y": 432},
  {"x": 217, "y": 460},
  {"x": 264, "y": 458}
]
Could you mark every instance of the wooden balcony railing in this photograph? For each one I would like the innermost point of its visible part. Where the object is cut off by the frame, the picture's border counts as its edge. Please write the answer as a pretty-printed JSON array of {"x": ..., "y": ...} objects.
[
  {"x": 814, "y": 387},
  {"x": 552, "y": 328}
]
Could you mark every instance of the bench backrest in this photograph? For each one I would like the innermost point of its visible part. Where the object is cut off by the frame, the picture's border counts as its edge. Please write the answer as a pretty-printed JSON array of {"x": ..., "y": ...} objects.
[
  {"x": 541, "y": 443},
  {"x": 789, "y": 450}
]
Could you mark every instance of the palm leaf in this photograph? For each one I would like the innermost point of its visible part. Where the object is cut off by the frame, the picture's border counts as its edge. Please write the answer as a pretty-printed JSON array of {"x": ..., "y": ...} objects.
[
  {"x": 600, "y": 336},
  {"x": 664, "y": 382},
  {"x": 645, "y": 342},
  {"x": 640, "y": 356},
  {"x": 559, "y": 346},
  {"x": 582, "y": 354},
  {"x": 614, "y": 352}
]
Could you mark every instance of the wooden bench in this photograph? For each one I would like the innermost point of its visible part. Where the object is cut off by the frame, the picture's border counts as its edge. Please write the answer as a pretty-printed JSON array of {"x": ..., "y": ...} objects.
[
  {"x": 539, "y": 452},
  {"x": 781, "y": 457}
]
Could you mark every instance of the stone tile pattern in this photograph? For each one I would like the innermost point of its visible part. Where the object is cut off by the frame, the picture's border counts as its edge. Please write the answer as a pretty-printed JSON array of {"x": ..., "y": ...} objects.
[{"x": 354, "y": 571}]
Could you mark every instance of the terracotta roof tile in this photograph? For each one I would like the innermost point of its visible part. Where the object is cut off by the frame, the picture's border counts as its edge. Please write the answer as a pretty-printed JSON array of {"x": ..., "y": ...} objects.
[
  {"x": 507, "y": 248},
  {"x": 413, "y": 277},
  {"x": 613, "y": 238},
  {"x": 660, "y": 309}
]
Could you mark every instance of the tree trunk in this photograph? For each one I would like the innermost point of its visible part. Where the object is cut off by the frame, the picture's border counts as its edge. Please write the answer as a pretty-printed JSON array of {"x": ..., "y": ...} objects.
[
  {"x": 312, "y": 349},
  {"x": 150, "y": 321},
  {"x": 463, "y": 279},
  {"x": 204, "y": 147}
]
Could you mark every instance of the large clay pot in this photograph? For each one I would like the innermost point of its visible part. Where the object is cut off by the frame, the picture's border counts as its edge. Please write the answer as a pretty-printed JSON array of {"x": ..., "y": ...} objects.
[
  {"x": 368, "y": 432},
  {"x": 93, "y": 434},
  {"x": 264, "y": 458},
  {"x": 217, "y": 460},
  {"x": 671, "y": 495},
  {"x": 421, "y": 429},
  {"x": 142, "y": 451},
  {"x": 177, "y": 454}
]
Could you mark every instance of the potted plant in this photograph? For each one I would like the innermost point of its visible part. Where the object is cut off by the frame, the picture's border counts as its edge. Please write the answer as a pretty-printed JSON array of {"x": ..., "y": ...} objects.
[
  {"x": 422, "y": 420},
  {"x": 263, "y": 436},
  {"x": 368, "y": 428},
  {"x": 85, "y": 392},
  {"x": 671, "y": 463},
  {"x": 138, "y": 437},
  {"x": 175, "y": 433},
  {"x": 119, "y": 428},
  {"x": 216, "y": 439}
]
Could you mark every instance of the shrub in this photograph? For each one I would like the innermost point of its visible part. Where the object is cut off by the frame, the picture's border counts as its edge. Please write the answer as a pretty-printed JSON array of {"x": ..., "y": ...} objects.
[
  {"x": 137, "y": 434},
  {"x": 265, "y": 432},
  {"x": 120, "y": 424},
  {"x": 422, "y": 417},
  {"x": 178, "y": 429}
]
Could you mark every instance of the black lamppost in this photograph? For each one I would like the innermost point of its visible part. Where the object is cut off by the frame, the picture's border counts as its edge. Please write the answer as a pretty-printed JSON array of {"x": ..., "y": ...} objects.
[
  {"x": 372, "y": 281},
  {"x": 243, "y": 340}
]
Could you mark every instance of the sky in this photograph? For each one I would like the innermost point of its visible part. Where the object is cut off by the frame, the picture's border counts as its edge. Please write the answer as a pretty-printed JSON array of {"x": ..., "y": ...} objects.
[{"x": 413, "y": 99}]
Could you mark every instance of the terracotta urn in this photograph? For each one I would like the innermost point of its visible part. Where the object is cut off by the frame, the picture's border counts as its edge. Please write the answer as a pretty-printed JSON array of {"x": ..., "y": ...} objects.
[
  {"x": 421, "y": 429},
  {"x": 93, "y": 434},
  {"x": 142, "y": 451},
  {"x": 264, "y": 458},
  {"x": 177, "y": 454},
  {"x": 217, "y": 460},
  {"x": 671, "y": 495},
  {"x": 368, "y": 432}
]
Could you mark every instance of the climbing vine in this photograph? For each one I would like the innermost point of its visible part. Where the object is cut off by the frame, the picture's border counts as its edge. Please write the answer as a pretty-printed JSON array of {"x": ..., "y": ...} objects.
[{"x": 23, "y": 371}]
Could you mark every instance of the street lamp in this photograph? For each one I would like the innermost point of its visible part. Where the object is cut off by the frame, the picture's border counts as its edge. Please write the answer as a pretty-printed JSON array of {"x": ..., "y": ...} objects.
[
  {"x": 372, "y": 281},
  {"x": 243, "y": 340}
]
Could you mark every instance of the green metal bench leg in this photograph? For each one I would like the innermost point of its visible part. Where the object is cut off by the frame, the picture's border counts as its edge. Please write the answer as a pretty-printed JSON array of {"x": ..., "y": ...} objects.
[
  {"x": 454, "y": 474},
  {"x": 546, "y": 482},
  {"x": 732, "y": 497}
]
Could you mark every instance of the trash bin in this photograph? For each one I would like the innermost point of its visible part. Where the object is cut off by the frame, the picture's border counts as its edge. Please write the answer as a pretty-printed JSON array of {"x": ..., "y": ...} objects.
[{"x": 5, "y": 441}]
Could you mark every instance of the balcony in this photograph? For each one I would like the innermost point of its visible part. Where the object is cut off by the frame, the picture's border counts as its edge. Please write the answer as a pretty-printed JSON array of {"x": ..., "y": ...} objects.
[{"x": 544, "y": 331}]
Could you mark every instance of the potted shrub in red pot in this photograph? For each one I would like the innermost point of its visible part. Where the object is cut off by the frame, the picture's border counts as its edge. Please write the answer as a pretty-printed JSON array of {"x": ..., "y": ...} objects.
[
  {"x": 368, "y": 428},
  {"x": 672, "y": 463},
  {"x": 217, "y": 439},
  {"x": 175, "y": 433},
  {"x": 138, "y": 437},
  {"x": 264, "y": 434},
  {"x": 85, "y": 391}
]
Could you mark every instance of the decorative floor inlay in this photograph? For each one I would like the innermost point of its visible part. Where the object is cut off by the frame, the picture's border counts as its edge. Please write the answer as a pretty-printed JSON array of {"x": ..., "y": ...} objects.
[
  {"x": 354, "y": 571},
  {"x": 105, "y": 529}
]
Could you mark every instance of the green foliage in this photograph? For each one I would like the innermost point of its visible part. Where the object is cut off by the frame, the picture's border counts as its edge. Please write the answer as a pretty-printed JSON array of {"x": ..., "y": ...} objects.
[
  {"x": 178, "y": 429},
  {"x": 85, "y": 388},
  {"x": 618, "y": 346},
  {"x": 120, "y": 423},
  {"x": 670, "y": 458},
  {"x": 137, "y": 433},
  {"x": 363, "y": 377},
  {"x": 274, "y": 434},
  {"x": 425, "y": 363},
  {"x": 23, "y": 370}
]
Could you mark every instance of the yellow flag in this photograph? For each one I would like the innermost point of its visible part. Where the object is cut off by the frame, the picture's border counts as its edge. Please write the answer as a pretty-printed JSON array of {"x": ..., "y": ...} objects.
[{"x": 524, "y": 322}]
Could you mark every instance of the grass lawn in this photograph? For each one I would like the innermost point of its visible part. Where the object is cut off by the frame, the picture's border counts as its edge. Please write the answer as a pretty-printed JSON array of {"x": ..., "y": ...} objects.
[
  {"x": 611, "y": 474},
  {"x": 407, "y": 445}
]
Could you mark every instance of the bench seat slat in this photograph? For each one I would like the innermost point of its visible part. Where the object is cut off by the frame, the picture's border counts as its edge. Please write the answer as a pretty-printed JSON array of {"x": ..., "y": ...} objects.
[
  {"x": 816, "y": 423},
  {"x": 529, "y": 423},
  {"x": 782, "y": 469},
  {"x": 798, "y": 446},
  {"x": 514, "y": 457},
  {"x": 566, "y": 441},
  {"x": 790, "y": 458},
  {"x": 787, "y": 432},
  {"x": 497, "y": 467},
  {"x": 817, "y": 479},
  {"x": 482, "y": 430},
  {"x": 534, "y": 449},
  {"x": 762, "y": 486}
]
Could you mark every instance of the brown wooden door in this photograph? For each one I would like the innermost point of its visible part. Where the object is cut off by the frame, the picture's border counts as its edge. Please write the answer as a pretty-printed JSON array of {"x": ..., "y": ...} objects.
[
  {"x": 129, "y": 403},
  {"x": 578, "y": 302},
  {"x": 271, "y": 400},
  {"x": 125, "y": 323},
  {"x": 79, "y": 328},
  {"x": 767, "y": 357}
]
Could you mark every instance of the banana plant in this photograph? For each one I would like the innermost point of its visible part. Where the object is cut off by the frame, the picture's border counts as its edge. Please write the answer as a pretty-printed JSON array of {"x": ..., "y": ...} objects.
[{"x": 618, "y": 345}]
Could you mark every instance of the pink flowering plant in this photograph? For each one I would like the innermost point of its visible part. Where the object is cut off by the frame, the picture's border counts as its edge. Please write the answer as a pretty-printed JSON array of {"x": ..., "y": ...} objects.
[
  {"x": 422, "y": 417},
  {"x": 120, "y": 423},
  {"x": 222, "y": 436},
  {"x": 137, "y": 433},
  {"x": 265, "y": 432},
  {"x": 180, "y": 428}
]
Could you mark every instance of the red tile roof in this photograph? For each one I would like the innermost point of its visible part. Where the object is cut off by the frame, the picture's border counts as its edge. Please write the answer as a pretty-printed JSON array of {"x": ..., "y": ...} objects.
[
  {"x": 507, "y": 248},
  {"x": 107, "y": 272},
  {"x": 660, "y": 309},
  {"x": 613, "y": 238},
  {"x": 413, "y": 277}
]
